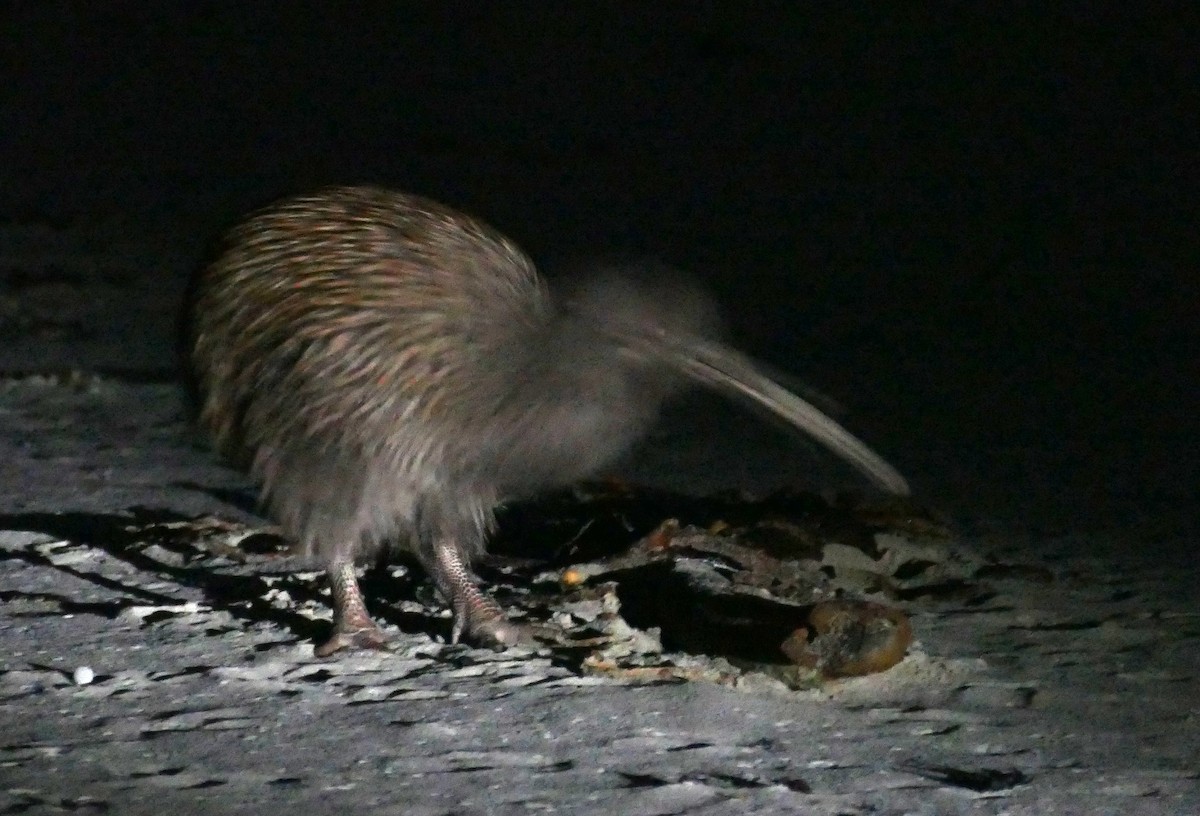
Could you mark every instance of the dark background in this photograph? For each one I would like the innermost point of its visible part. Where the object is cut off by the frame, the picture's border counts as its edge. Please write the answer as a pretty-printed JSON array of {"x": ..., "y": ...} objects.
[{"x": 976, "y": 230}]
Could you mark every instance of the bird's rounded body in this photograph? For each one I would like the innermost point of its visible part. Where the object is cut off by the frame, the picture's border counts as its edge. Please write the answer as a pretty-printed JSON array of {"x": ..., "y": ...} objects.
[{"x": 390, "y": 369}]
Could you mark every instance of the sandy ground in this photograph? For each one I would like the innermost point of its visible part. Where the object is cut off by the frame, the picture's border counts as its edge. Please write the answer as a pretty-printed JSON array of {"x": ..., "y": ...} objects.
[{"x": 1072, "y": 689}]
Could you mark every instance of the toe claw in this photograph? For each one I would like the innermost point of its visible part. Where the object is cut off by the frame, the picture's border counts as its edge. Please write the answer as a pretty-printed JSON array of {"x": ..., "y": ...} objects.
[
  {"x": 356, "y": 639},
  {"x": 499, "y": 633}
]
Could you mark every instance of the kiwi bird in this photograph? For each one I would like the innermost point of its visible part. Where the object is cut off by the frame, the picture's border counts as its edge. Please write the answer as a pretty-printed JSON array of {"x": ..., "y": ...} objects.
[{"x": 390, "y": 370}]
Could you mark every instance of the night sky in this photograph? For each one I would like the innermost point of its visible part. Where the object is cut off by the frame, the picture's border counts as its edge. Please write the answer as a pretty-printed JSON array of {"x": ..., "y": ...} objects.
[{"x": 978, "y": 228}]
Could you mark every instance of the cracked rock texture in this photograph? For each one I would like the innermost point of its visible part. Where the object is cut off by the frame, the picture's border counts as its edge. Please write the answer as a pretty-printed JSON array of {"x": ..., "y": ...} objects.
[{"x": 1071, "y": 683}]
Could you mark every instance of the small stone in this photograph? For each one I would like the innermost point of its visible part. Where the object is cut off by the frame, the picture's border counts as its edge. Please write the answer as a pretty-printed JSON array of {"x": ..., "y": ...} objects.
[{"x": 83, "y": 675}]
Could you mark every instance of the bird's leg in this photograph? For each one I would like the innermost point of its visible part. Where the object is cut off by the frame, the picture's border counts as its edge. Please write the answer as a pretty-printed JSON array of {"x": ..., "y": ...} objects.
[
  {"x": 352, "y": 626},
  {"x": 475, "y": 614}
]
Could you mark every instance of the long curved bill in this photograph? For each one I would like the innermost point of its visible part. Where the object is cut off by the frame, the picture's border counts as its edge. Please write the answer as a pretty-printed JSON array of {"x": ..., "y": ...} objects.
[{"x": 734, "y": 374}]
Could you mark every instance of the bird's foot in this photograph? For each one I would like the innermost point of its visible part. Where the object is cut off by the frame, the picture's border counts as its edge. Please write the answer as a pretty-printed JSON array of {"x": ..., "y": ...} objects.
[{"x": 362, "y": 637}]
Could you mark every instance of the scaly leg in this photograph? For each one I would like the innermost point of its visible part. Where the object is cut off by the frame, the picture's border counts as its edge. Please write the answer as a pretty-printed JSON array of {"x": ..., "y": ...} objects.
[
  {"x": 475, "y": 614},
  {"x": 352, "y": 626}
]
